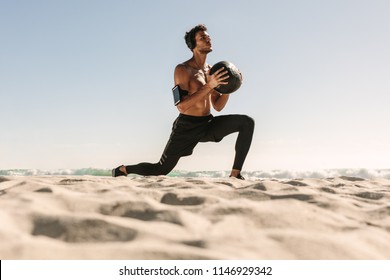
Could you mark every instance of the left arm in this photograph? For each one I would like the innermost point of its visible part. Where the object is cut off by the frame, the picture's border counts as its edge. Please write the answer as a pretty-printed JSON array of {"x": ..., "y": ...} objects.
[{"x": 219, "y": 100}]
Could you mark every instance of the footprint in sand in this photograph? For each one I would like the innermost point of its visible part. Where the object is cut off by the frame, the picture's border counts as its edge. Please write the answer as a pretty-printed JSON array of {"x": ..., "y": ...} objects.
[
  {"x": 299, "y": 196},
  {"x": 254, "y": 192},
  {"x": 370, "y": 195},
  {"x": 71, "y": 181},
  {"x": 141, "y": 211},
  {"x": 3, "y": 179},
  {"x": 256, "y": 186},
  {"x": 225, "y": 183},
  {"x": 352, "y": 179},
  {"x": 173, "y": 199},
  {"x": 296, "y": 183},
  {"x": 81, "y": 230},
  {"x": 328, "y": 190},
  {"x": 44, "y": 190},
  {"x": 259, "y": 186},
  {"x": 195, "y": 243}
]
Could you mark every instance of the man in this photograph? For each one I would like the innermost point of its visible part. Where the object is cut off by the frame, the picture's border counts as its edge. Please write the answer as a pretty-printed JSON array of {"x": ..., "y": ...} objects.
[{"x": 195, "y": 123}]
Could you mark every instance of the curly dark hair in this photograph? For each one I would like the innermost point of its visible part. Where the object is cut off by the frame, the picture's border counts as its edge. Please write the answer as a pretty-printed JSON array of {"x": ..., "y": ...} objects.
[{"x": 190, "y": 35}]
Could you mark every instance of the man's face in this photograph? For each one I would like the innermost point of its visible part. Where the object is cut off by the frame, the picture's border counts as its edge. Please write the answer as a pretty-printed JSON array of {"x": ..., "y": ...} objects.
[{"x": 203, "y": 42}]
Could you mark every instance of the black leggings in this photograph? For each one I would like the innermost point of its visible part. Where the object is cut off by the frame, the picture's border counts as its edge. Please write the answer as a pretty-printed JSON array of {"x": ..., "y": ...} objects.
[{"x": 215, "y": 131}]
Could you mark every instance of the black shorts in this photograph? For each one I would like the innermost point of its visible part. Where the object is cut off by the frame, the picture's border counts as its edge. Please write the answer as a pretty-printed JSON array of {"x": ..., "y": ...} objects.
[{"x": 187, "y": 132}]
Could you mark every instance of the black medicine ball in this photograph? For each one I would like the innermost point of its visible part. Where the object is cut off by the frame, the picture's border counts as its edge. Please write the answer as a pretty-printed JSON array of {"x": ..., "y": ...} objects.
[{"x": 234, "y": 80}]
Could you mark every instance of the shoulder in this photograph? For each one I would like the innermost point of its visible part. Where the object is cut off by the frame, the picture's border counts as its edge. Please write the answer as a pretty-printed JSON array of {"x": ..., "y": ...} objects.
[
  {"x": 182, "y": 68},
  {"x": 182, "y": 73}
]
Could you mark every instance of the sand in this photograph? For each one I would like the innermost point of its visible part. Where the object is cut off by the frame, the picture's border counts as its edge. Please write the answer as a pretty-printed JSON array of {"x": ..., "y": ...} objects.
[{"x": 87, "y": 217}]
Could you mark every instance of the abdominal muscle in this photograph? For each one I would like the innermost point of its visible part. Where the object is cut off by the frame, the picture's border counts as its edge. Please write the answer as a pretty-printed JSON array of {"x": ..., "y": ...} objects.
[{"x": 200, "y": 109}]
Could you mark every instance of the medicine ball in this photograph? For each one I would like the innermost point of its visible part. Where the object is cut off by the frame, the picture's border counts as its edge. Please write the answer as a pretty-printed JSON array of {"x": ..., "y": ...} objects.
[{"x": 234, "y": 80}]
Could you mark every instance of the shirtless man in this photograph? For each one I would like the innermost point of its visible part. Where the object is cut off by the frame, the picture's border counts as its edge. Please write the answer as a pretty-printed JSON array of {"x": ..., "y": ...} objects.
[{"x": 195, "y": 123}]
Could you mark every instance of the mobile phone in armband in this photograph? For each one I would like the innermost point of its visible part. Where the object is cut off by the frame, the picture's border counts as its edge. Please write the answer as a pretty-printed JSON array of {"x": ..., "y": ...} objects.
[{"x": 176, "y": 95}]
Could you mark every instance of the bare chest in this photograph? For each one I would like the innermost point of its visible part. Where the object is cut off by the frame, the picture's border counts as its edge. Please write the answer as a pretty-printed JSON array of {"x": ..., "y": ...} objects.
[{"x": 197, "y": 80}]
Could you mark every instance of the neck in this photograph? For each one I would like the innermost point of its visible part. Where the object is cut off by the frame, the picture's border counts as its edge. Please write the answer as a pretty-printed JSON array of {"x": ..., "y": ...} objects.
[{"x": 199, "y": 60}]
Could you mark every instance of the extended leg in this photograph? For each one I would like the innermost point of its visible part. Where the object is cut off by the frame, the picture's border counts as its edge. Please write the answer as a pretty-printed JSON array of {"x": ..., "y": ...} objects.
[{"x": 163, "y": 167}]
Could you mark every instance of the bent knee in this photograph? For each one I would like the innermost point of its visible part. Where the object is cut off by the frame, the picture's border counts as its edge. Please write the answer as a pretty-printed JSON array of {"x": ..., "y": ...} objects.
[{"x": 248, "y": 121}]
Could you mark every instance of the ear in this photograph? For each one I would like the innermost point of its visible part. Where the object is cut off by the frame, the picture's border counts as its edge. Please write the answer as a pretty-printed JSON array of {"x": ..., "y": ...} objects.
[{"x": 189, "y": 43}]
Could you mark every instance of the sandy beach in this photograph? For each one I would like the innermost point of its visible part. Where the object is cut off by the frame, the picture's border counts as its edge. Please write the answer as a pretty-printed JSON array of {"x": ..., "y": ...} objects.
[{"x": 88, "y": 217}]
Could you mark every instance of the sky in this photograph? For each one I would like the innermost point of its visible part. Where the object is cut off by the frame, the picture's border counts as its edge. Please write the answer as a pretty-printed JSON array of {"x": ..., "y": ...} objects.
[{"x": 88, "y": 83}]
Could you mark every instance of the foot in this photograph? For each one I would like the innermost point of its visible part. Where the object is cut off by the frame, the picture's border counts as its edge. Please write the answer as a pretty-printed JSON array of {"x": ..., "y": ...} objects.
[
  {"x": 236, "y": 173},
  {"x": 239, "y": 176},
  {"x": 119, "y": 171}
]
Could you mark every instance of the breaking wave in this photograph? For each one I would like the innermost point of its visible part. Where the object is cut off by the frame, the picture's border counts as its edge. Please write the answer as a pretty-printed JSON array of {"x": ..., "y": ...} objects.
[{"x": 277, "y": 174}]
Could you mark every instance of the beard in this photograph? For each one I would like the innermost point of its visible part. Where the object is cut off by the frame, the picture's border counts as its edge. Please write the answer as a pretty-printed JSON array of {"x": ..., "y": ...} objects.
[{"x": 206, "y": 51}]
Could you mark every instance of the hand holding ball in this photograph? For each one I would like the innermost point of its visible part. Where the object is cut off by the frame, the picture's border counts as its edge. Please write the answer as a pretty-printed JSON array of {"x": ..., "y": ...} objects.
[{"x": 234, "y": 80}]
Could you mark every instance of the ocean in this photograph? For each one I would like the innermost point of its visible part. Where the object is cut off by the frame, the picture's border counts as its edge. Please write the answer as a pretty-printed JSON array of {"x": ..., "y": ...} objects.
[{"x": 266, "y": 174}]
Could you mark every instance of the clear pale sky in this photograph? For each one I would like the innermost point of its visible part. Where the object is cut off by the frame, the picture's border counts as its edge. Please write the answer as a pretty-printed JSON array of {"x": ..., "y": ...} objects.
[{"x": 88, "y": 83}]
